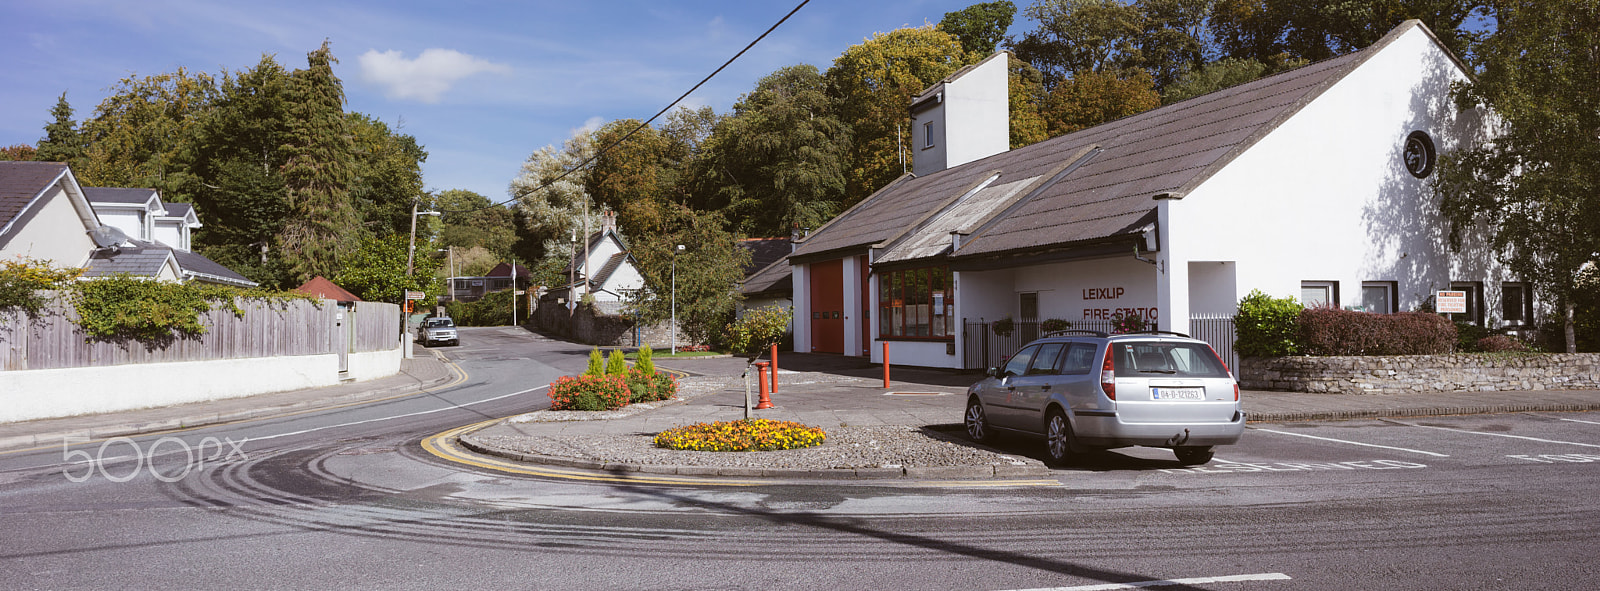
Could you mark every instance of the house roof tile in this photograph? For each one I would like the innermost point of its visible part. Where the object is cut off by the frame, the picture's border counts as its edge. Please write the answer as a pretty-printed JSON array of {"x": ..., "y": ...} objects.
[
  {"x": 321, "y": 287},
  {"x": 21, "y": 182}
]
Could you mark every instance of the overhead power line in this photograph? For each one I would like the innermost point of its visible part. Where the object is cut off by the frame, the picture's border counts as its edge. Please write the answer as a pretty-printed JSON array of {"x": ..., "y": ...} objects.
[{"x": 646, "y": 123}]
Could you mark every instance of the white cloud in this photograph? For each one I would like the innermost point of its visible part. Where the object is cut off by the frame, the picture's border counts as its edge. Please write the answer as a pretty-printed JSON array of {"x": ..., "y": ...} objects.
[{"x": 425, "y": 78}]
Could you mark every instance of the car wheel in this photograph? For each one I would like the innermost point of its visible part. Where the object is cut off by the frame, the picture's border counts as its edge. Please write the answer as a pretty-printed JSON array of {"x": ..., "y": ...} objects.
[
  {"x": 1060, "y": 442},
  {"x": 1193, "y": 456},
  {"x": 977, "y": 422}
]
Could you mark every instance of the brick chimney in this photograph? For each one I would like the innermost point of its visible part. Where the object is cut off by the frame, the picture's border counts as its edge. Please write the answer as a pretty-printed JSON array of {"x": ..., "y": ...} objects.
[{"x": 608, "y": 220}]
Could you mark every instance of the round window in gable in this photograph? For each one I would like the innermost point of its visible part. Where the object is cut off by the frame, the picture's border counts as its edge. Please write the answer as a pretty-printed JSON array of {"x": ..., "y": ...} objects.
[{"x": 1419, "y": 154}]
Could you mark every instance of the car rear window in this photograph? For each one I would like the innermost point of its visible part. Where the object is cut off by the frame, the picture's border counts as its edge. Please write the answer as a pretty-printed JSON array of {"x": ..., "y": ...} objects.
[{"x": 1157, "y": 358}]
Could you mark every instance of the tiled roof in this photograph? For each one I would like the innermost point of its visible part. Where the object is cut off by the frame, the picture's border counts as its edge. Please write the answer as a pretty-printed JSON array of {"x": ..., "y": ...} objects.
[
  {"x": 140, "y": 261},
  {"x": 776, "y": 278},
  {"x": 193, "y": 262},
  {"x": 505, "y": 269},
  {"x": 178, "y": 210},
  {"x": 763, "y": 251},
  {"x": 1169, "y": 150},
  {"x": 118, "y": 195},
  {"x": 21, "y": 182},
  {"x": 321, "y": 287},
  {"x": 611, "y": 266}
]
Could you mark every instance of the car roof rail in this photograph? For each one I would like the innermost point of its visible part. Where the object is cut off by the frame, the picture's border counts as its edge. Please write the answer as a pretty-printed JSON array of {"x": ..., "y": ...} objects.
[
  {"x": 1159, "y": 332},
  {"x": 1055, "y": 333}
]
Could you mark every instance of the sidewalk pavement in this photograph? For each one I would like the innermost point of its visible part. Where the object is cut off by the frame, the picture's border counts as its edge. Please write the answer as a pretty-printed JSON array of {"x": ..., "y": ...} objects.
[
  {"x": 426, "y": 370},
  {"x": 828, "y": 391}
]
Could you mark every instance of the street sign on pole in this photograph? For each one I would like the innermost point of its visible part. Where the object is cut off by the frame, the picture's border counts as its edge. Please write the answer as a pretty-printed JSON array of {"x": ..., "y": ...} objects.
[
  {"x": 415, "y": 295},
  {"x": 1450, "y": 302}
]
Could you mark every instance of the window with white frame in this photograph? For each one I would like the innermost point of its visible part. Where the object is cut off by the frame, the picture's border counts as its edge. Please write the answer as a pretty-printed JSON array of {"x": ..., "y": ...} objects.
[
  {"x": 1319, "y": 294},
  {"x": 927, "y": 134},
  {"x": 1378, "y": 296}
]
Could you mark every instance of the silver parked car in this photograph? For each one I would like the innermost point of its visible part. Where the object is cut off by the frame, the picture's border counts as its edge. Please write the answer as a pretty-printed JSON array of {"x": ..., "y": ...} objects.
[
  {"x": 439, "y": 329},
  {"x": 1085, "y": 390}
]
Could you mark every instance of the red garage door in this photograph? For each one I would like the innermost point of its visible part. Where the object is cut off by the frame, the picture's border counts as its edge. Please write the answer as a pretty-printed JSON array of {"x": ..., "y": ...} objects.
[{"x": 827, "y": 307}]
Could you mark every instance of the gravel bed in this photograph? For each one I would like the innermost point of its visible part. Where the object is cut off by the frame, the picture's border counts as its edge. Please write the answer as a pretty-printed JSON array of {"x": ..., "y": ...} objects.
[{"x": 845, "y": 447}]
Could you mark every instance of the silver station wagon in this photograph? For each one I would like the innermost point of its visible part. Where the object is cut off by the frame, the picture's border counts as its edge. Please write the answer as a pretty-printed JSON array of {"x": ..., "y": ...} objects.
[{"x": 1085, "y": 390}]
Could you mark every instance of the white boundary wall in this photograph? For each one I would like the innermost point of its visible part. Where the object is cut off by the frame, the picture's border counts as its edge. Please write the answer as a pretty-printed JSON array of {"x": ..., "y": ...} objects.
[{"x": 48, "y": 393}]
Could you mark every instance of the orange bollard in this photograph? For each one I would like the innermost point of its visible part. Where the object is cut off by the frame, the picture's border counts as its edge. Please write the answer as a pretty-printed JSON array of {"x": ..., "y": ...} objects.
[
  {"x": 761, "y": 376},
  {"x": 886, "y": 365},
  {"x": 774, "y": 366}
]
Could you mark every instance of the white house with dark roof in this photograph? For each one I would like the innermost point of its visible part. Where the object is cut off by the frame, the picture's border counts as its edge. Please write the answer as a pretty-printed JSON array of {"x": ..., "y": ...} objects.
[
  {"x": 44, "y": 215},
  {"x": 159, "y": 239},
  {"x": 1311, "y": 183},
  {"x": 604, "y": 268}
]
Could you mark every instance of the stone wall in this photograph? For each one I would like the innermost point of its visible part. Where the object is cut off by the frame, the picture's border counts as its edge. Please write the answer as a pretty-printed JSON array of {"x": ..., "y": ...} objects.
[
  {"x": 593, "y": 326},
  {"x": 1422, "y": 373}
]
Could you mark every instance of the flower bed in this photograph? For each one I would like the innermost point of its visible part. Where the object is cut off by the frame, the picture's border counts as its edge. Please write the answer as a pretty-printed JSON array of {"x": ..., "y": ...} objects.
[
  {"x": 745, "y": 435},
  {"x": 589, "y": 393}
]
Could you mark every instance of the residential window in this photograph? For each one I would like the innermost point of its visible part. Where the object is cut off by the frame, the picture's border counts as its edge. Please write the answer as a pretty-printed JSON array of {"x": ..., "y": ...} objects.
[
  {"x": 1516, "y": 304},
  {"x": 1319, "y": 294},
  {"x": 927, "y": 134},
  {"x": 1474, "y": 314},
  {"x": 1378, "y": 296},
  {"x": 916, "y": 303}
]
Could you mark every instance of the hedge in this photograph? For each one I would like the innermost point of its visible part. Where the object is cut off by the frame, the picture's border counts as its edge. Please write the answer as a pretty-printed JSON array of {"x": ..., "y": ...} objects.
[{"x": 1331, "y": 331}]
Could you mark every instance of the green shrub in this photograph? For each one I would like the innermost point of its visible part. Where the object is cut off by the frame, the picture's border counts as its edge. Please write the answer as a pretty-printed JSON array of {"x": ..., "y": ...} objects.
[
  {"x": 1468, "y": 335},
  {"x": 646, "y": 362},
  {"x": 22, "y": 279},
  {"x": 1500, "y": 344},
  {"x": 1267, "y": 326},
  {"x": 1126, "y": 323},
  {"x": 615, "y": 364},
  {"x": 758, "y": 329},
  {"x": 597, "y": 366},
  {"x": 1004, "y": 327},
  {"x": 1054, "y": 324},
  {"x": 589, "y": 393},
  {"x": 494, "y": 309}
]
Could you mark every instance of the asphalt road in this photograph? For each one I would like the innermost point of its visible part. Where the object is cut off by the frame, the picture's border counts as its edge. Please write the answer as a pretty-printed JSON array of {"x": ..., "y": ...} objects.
[{"x": 347, "y": 498}]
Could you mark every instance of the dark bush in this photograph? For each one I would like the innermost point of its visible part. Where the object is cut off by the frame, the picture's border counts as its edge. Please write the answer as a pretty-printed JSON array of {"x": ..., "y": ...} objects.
[
  {"x": 1266, "y": 326},
  {"x": 1500, "y": 343},
  {"x": 493, "y": 310},
  {"x": 1468, "y": 335},
  {"x": 1330, "y": 331}
]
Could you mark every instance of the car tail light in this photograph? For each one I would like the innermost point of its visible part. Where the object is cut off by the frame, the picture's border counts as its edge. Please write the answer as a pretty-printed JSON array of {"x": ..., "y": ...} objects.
[
  {"x": 1108, "y": 375},
  {"x": 1226, "y": 371}
]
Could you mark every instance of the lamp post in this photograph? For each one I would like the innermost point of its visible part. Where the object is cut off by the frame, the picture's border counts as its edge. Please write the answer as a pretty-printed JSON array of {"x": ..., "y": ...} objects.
[
  {"x": 411, "y": 251},
  {"x": 674, "y": 327}
]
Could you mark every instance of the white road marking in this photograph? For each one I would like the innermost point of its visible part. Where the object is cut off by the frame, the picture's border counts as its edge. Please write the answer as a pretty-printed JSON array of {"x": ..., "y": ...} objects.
[
  {"x": 425, "y": 412},
  {"x": 1170, "y": 582},
  {"x": 1492, "y": 434},
  {"x": 1578, "y": 421},
  {"x": 1415, "y": 451}
]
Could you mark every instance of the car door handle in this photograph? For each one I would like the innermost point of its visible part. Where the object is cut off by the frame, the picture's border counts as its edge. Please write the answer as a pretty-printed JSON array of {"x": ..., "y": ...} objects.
[
  {"x": 1011, "y": 388},
  {"x": 1045, "y": 387}
]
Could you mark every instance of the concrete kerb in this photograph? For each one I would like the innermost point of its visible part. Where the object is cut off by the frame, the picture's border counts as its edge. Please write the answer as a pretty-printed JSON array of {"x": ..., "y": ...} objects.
[
  {"x": 206, "y": 419},
  {"x": 1342, "y": 415}
]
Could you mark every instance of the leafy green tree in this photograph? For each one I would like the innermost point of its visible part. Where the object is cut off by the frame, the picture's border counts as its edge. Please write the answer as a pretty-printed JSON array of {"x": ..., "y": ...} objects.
[
  {"x": 1091, "y": 98},
  {"x": 17, "y": 152},
  {"x": 1172, "y": 38},
  {"x": 779, "y": 160},
  {"x": 980, "y": 27},
  {"x": 1221, "y": 74},
  {"x": 387, "y": 174},
  {"x": 708, "y": 273},
  {"x": 471, "y": 221},
  {"x": 323, "y": 225},
  {"x": 636, "y": 178},
  {"x": 757, "y": 330},
  {"x": 139, "y": 136},
  {"x": 377, "y": 271},
  {"x": 62, "y": 141},
  {"x": 1270, "y": 31},
  {"x": 1079, "y": 36},
  {"x": 1535, "y": 184},
  {"x": 875, "y": 81}
]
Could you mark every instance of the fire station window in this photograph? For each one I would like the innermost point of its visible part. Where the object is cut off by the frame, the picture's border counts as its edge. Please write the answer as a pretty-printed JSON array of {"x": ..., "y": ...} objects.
[
  {"x": 1378, "y": 296},
  {"x": 1516, "y": 304},
  {"x": 1319, "y": 294},
  {"x": 1474, "y": 291},
  {"x": 927, "y": 134}
]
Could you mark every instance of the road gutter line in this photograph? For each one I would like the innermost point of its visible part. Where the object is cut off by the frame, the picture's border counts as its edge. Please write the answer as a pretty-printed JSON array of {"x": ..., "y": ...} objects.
[
  {"x": 1415, "y": 451},
  {"x": 1578, "y": 421}
]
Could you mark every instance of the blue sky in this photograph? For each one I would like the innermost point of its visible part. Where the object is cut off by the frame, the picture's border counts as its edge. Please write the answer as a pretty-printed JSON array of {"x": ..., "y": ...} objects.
[{"x": 480, "y": 84}]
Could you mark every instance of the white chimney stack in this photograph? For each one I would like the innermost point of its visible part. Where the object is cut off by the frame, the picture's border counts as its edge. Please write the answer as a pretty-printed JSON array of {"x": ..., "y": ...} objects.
[{"x": 962, "y": 118}]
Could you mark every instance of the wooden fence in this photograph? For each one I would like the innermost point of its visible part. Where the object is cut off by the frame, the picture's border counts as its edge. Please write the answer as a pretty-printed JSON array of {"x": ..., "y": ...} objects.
[{"x": 53, "y": 340}]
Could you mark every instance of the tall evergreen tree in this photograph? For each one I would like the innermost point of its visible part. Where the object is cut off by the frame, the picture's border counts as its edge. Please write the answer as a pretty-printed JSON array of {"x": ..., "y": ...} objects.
[
  {"x": 62, "y": 142},
  {"x": 323, "y": 224}
]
